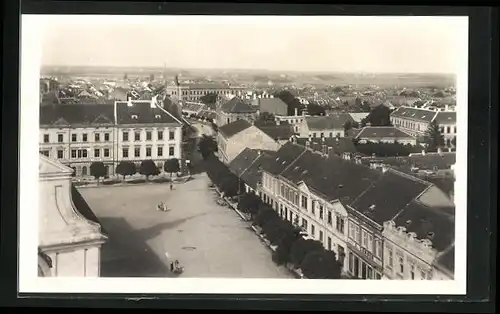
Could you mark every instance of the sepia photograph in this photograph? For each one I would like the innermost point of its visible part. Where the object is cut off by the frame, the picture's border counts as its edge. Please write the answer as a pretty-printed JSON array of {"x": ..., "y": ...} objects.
[{"x": 243, "y": 154}]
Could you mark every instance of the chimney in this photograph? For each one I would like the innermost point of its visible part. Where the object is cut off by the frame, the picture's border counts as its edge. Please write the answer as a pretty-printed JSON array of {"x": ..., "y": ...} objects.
[
  {"x": 272, "y": 96},
  {"x": 277, "y": 122},
  {"x": 324, "y": 149},
  {"x": 296, "y": 111},
  {"x": 254, "y": 96},
  {"x": 330, "y": 149},
  {"x": 308, "y": 144},
  {"x": 423, "y": 152},
  {"x": 440, "y": 151}
]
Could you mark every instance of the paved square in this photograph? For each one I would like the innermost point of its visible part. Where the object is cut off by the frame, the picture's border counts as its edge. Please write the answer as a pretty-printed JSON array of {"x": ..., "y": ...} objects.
[{"x": 209, "y": 240}]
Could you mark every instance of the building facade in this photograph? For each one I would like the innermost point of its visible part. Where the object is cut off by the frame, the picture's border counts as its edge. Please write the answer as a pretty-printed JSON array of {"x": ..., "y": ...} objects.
[
  {"x": 70, "y": 237},
  {"x": 78, "y": 135},
  {"x": 324, "y": 126},
  {"x": 416, "y": 121},
  {"x": 195, "y": 91},
  {"x": 385, "y": 134},
  {"x": 234, "y": 109}
]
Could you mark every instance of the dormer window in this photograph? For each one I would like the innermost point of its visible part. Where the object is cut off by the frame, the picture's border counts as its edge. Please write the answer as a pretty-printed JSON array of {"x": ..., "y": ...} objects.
[
  {"x": 134, "y": 117},
  {"x": 372, "y": 207},
  {"x": 157, "y": 116}
]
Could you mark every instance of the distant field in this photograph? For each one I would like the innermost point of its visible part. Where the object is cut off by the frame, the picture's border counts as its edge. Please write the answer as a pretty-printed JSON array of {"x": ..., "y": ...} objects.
[{"x": 261, "y": 76}]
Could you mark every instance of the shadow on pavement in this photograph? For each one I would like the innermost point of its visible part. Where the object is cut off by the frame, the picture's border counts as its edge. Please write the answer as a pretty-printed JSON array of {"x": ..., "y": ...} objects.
[
  {"x": 126, "y": 253},
  {"x": 151, "y": 232}
]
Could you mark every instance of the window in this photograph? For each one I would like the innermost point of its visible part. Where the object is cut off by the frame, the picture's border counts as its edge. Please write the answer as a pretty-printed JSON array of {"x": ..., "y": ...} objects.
[
  {"x": 148, "y": 151},
  {"x": 314, "y": 135},
  {"x": 378, "y": 247},
  {"x": 160, "y": 135},
  {"x": 125, "y": 136},
  {"x": 321, "y": 134},
  {"x": 448, "y": 129},
  {"x": 97, "y": 137},
  {"x": 331, "y": 134},
  {"x": 73, "y": 137},
  {"x": 296, "y": 199},
  {"x": 84, "y": 153},
  {"x": 455, "y": 129},
  {"x": 45, "y": 153},
  {"x": 304, "y": 202},
  {"x": 171, "y": 135},
  {"x": 137, "y": 152},
  {"x": 106, "y": 137},
  {"x": 304, "y": 223},
  {"x": 364, "y": 238},
  {"x": 313, "y": 207},
  {"x": 321, "y": 212},
  {"x": 412, "y": 272},
  {"x": 370, "y": 243},
  {"x": 73, "y": 153},
  {"x": 351, "y": 231},
  {"x": 329, "y": 244},
  {"x": 282, "y": 190},
  {"x": 60, "y": 138},
  {"x": 358, "y": 234},
  {"x": 45, "y": 138},
  {"x": 390, "y": 258},
  {"x": 321, "y": 236},
  {"x": 313, "y": 231},
  {"x": 329, "y": 219},
  {"x": 106, "y": 152},
  {"x": 340, "y": 224},
  {"x": 137, "y": 136},
  {"x": 171, "y": 151},
  {"x": 369, "y": 272},
  {"x": 160, "y": 151},
  {"x": 84, "y": 137},
  {"x": 148, "y": 136},
  {"x": 125, "y": 152},
  {"x": 351, "y": 263},
  {"x": 60, "y": 154},
  {"x": 97, "y": 152},
  {"x": 401, "y": 264}
]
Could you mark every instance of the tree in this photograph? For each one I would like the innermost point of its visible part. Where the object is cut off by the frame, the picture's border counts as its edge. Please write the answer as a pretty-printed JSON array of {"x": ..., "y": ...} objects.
[
  {"x": 301, "y": 248},
  {"x": 98, "y": 170},
  {"x": 266, "y": 118},
  {"x": 264, "y": 214},
  {"x": 229, "y": 185},
  {"x": 378, "y": 116},
  {"x": 207, "y": 146},
  {"x": 148, "y": 168},
  {"x": 209, "y": 99},
  {"x": 347, "y": 125},
  {"x": 249, "y": 203},
  {"x": 321, "y": 264},
  {"x": 172, "y": 165},
  {"x": 314, "y": 109},
  {"x": 433, "y": 137},
  {"x": 126, "y": 168}
]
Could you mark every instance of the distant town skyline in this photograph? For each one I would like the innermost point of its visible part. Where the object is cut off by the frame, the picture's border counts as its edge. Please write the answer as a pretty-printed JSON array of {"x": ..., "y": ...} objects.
[{"x": 420, "y": 45}]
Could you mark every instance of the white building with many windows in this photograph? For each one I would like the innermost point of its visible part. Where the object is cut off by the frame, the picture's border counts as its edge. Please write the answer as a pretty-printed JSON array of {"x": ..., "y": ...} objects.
[{"x": 134, "y": 130}]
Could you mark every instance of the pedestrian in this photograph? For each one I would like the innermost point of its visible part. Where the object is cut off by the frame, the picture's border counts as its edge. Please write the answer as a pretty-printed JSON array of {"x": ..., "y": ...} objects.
[
  {"x": 171, "y": 266},
  {"x": 171, "y": 186}
]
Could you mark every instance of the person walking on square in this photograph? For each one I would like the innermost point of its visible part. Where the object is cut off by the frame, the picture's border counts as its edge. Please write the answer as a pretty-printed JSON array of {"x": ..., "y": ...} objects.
[
  {"x": 171, "y": 186},
  {"x": 171, "y": 266}
]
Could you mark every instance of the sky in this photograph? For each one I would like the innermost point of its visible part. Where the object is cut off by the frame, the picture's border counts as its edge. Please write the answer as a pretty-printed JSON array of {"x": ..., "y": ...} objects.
[{"x": 330, "y": 44}]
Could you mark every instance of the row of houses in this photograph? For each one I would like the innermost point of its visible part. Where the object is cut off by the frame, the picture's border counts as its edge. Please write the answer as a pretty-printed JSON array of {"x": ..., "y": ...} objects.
[
  {"x": 135, "y": 130},
  {"x": 381, "y": 224}
]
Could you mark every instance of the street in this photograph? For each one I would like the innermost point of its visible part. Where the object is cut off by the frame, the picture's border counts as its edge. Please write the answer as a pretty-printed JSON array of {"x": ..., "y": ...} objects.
[{"x": 208, "y": 240}]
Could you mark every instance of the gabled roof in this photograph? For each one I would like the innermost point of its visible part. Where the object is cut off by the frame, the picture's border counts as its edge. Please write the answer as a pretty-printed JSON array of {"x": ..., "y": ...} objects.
[
  {"x": 386, "y": 197},
  {"x": 253, "y": 173},
  {"x": 233, "y": 128},
  {"x": 339, "y": 145},
  {"x": 333, "y": 177},
  {"x": 141, "y": 112},
  {"x": 442, "y": 160},
  {"x": 273, "y": 105},
  {"x": 76, "y": 114},
  {"x": 446, "y": 117},
  {"x": 283, "y": 158},
  {"x": 244, "y": 159},
  {"x": 415, "y": 114},
  {"x": 375, "y": 132},
  {"x": 277, "y": 132},
  {"x": 237, "y": 105},
  {"x": 331, "y": 122},
  {"x": 358, "y": 116},
  {"x": 83, "y": 208},
  {"x": 435, "y": 224}
]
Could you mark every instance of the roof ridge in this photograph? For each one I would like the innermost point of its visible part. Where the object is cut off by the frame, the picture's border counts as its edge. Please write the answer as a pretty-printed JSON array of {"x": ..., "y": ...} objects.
[{"x": 408, "y": 176}]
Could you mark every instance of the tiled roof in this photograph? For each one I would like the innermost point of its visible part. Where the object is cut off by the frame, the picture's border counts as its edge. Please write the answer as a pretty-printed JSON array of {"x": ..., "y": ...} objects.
[
  {"x": 333, "y": 177},
  {"x": 430, "y": 160},
  {"x": 273, "y": 105},
  {"x": 253, "y": 174},
  {"x": 422, "y": 115},
  {"x": 233, "y": 128},
  {"x": 284, "y": 156},
  {"x": 84, "y": 208},
  {"x": 446, "y": 117},
  {"x": 435, "y": 224},
  {"x": 237, "y": 105},
  {"x": 332, "y": 122},
  {"x": 339, "y": 145},
  {"x": 76, "y": 114},
  {"x": 445, "y": 184},
  {"x": 375, "y": 132},
  {"x": 388, "y": 196},
  {"x": 141, "y": 112},
  {"x": 277, "y": 132},
  {"x": 244, "y": 159}
]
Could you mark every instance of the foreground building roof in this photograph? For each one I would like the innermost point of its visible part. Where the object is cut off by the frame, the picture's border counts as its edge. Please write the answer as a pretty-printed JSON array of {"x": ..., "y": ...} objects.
[{"x": 233, "y": 128}]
